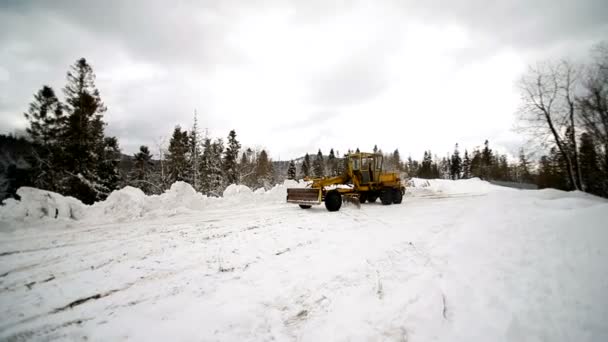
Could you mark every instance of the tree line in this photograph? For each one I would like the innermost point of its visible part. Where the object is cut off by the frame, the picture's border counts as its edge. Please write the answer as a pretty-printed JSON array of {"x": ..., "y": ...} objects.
[{"x": 67, "y": 150}]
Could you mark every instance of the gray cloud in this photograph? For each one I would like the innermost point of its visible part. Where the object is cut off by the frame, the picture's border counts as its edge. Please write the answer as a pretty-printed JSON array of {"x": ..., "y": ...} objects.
[{"x": 183, "y": 44}]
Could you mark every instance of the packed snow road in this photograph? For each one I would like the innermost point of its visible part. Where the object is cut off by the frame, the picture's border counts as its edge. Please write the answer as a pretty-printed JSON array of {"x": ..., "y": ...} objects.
[{"x": 456, "y": 261}]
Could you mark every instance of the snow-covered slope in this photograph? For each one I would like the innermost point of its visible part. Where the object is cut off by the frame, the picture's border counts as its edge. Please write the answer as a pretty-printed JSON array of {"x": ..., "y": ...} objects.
[{"x": 456, "y": 261}]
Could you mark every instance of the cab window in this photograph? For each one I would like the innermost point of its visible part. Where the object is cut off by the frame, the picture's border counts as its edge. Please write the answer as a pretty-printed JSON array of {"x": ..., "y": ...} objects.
[
  {"x": 379, "y": 163},
  {"x": 356, "y": 163}
]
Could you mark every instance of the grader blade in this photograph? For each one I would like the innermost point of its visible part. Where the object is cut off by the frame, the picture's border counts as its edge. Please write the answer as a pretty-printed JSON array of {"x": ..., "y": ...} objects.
[{"x": 305, "y": 196}]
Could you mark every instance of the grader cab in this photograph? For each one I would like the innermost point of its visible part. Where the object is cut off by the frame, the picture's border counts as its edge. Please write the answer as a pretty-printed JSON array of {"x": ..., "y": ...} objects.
[{"x": 363, "y": 181}]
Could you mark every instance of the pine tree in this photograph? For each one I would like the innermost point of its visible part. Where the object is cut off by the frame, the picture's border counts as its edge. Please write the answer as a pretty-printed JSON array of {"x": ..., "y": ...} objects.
[
  {"x": 247, "y": 169},
  {"x": 230, "y": 159},
  {"x": 194, "y": 155},
  {"x": 396, "y": 160},
  {"x": 456, "y": 164},
  {"x": 177, "y": 158},
  {"x": 108, "y": 172},
  {"x": 291, "y": 171},
  {"x": 426, "y": 169},
  {"x": 263, "y": 170},
  {"x": 217, "y": 181},
  {"x": 332, "y": 164},
  {"x": 305, "y": 169},
  {"x": 466, "y": 166},
  {"x": 141, "y": 175},
  {"x": 46, "y": 120},
  {"x": 318, "y": 168},
  {"x": 206, "y": 165},
  {"x": 83, "y": 136},
  {"x": 375, "y": 149},
  {"x": 523, "y": 168},
  {"x": 486, "y": 161},
  {"x": 590, "y": 171},
  {"x": 476, "y": 164}
]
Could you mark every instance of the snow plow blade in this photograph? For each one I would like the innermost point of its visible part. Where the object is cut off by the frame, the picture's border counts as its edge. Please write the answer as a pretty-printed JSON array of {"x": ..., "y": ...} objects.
[{"x": 306, "y": 196}]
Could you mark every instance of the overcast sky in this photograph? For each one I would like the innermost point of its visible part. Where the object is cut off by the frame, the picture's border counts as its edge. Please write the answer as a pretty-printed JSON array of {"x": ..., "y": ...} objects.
[{"x": 295, "y": 76}]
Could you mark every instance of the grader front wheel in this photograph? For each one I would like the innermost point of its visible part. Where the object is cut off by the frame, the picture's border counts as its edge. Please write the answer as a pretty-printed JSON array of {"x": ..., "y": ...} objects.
[{"x": 333, "y": 201}]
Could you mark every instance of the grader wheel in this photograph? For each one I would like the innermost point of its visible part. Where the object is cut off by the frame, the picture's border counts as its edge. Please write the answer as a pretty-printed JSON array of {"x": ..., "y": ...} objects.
[
  {"x": 386, "y": 196},
  {"x": 397, "y": 196},
  {"x": 333, "y": 201}
]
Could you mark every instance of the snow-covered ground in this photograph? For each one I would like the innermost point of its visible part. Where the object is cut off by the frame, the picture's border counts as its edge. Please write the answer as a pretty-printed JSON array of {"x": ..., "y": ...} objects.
[{"x": 456, "y": 261}]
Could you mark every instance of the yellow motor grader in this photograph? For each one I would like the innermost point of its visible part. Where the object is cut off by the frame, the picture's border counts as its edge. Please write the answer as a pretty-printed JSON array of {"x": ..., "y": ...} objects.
[{"x": 362, "y": 181}]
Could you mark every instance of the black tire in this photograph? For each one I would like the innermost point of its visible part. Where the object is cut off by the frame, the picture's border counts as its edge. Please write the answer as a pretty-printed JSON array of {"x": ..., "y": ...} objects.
[
  {"x": 386, "y": 196},
  {"x": 397, "y": 196},
  {"x": 333, "y": 201},
  {"x": 305, "y": 206},
  {"x": 372, "y": 198},
  {"x": 362, "y": 197}
]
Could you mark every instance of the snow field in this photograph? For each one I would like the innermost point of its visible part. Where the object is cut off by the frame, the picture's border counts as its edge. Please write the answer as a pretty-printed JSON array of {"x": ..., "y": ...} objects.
[{"x": 456, "y": 261}]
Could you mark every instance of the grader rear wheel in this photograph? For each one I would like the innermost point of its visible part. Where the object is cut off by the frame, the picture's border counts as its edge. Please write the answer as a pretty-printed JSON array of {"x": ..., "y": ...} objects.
[
  {"x": 397, "y": 196},
  {"x": 386, "y": 196},
  {"x": 372, "y": 198},
  {"x": 305, "y": 206}
]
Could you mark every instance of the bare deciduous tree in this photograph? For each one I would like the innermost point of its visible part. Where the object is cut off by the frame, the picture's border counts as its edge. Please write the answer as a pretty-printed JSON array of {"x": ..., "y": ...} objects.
[{"x": 547, "y": 109}]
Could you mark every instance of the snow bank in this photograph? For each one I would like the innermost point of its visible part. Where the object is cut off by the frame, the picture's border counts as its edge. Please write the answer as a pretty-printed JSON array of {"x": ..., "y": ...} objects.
[
  {"x": 37, "y": 205},
  {"x": 461, "y": 186},
  {"x": 235, "y": 190},
  {"x": 131, "y": 203}
]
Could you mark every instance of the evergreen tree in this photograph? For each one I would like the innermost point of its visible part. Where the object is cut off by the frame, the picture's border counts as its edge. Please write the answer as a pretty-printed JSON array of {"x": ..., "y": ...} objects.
[
  {"x": 426, "y": 168},
  {"x": 590, "y": 171},
  {"x": 546, "y": 177},
  {"x": 466, "y": 166},
  {"x": 476, "y": 164},
  {"x": 194, "y": 155},
  {"x": 83, "y": 137},
  {"x": 561, "y": 179},
  {"x": 318, "y": 168},
  {"x": 230, "y": 159},
  {"x": 396, "y": 160},
  {"x": 412, "y": 167},
  {"x": 375, "y": 149},
  {"x": 263, "y": 170},
  {"x": 108, "y": 172},
  {"x": 486, "y": 161},
  {"x": 523, "y": 168},
  {"x": 46, "y": 120},
  {"x": 305, "y": 169},
  {"x": 141, "y": 175},
  {"x": 177, "y": 158},
  {"x": 456, "y": 164},
  {"x": 217, "y": 182},
  {"x": 206, "y": 165},
  {"x": 247, "y": 169},
  {"x": 332, "y": 164},
  {"x": 291, "y": 171}
]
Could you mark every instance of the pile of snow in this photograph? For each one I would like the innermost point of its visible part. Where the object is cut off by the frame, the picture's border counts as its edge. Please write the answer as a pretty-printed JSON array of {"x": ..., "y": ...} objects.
[
  {"x": 461, "y": 186},
  {"x": 235, "y": 190},
  {"x": 131, "y": 203},
  {"x": 38, "y": 205}
]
